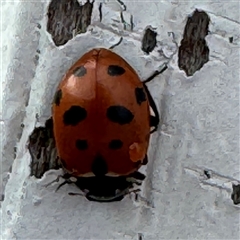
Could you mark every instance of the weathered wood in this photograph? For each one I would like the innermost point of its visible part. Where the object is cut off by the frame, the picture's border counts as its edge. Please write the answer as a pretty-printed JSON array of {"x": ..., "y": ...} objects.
[
  {"x": 193, "y": 52},
  {"x": 66, "y": 18},
  {"x": 149, "y": 40},
  {"x": 43, "y": 150}
]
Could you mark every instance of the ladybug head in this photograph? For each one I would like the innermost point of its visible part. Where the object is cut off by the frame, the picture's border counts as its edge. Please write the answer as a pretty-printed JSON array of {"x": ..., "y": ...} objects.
[
  {"x": 105, "y": 188},
  {"x": 108, "y": 189}
]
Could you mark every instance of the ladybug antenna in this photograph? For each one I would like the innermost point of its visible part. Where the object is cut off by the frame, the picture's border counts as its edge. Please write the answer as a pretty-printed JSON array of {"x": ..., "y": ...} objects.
[{"x": 116, "y": 44}]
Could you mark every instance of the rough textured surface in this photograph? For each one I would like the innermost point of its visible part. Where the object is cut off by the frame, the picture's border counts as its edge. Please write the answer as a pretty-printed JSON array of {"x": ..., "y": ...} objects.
[
  {"x": 149, "y": 40},
  {"x": 18, "y": 71},
  {"x": 43, "y": 151},
  {"x": 67, "y": 18},
  {"x": 193, "y": 158},
  {"x": 193, "y": 52}
]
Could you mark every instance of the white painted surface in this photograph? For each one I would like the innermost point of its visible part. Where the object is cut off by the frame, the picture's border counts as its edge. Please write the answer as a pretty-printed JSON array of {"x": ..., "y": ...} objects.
[{"x": 200, "y": 115}]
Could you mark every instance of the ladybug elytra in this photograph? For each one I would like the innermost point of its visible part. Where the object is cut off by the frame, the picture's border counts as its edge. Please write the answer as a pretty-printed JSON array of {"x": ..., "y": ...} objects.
[{"x": 102, "y": 125}]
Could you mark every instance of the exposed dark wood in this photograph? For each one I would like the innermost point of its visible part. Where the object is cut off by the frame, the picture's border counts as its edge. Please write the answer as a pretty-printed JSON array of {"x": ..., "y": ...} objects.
[
  {"x": 193, "y": 51},
  {"x": 149, "y": 40},
  {"x": 43, "y": 150},
  {"x": 67, "y": 18}
]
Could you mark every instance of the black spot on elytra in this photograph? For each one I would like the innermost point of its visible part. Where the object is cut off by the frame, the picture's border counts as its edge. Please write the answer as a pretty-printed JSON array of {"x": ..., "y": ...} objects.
[
  {"x": 99, "y": 166},
  {"x": 74, "y": 115},
  {"x": 81, "y": 144},
  {"x": 114, "y": 70},
  {"x": 140, "y": 95},
  {"x": 79, "y": 71},
  {"x": 57, "y": 97},
  {"x": 119, "y": 114},
  {"x": 115, "y": 144}
]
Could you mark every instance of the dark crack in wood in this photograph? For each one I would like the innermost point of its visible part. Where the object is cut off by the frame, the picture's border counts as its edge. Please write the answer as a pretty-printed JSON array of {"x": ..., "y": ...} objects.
[
  {"x": 43, "y": 150},
  {"x": 149, "y": 40},
  {"x": 67, "y": 18},
  {"x": 123, "y": 21},
  {"x": 193, "y": 51},
  {"x": 100, "y": 12},
  {"x": 122, "y": 5},
  {"x": 131, "y": 23}
]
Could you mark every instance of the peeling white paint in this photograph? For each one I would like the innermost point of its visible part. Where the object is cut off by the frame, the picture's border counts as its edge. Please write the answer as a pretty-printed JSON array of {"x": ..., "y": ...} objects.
[{"x": 200, "y": 113}]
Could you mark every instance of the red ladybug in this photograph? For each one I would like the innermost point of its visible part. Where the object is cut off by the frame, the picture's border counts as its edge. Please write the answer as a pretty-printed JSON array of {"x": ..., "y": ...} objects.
[{"x": 102, "y": 125}]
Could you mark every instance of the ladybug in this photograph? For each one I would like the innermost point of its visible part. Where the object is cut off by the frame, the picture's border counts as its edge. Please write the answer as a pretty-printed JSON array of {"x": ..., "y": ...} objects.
[{"x": 102, "y": 125}]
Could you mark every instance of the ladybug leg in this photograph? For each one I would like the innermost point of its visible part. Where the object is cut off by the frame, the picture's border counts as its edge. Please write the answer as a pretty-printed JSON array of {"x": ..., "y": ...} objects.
[
  {"x": 76, "y": 194},
  {"x": 136, "y": 178},
  {"x": 56, "y": 180},
  {"x": 156, "y": 73},
  {"x": 154, "y": 120},
  {"x": 139, "y": 198},
  {"x": 68, "y": 179},
  {"x": 136, "y": 193}
]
